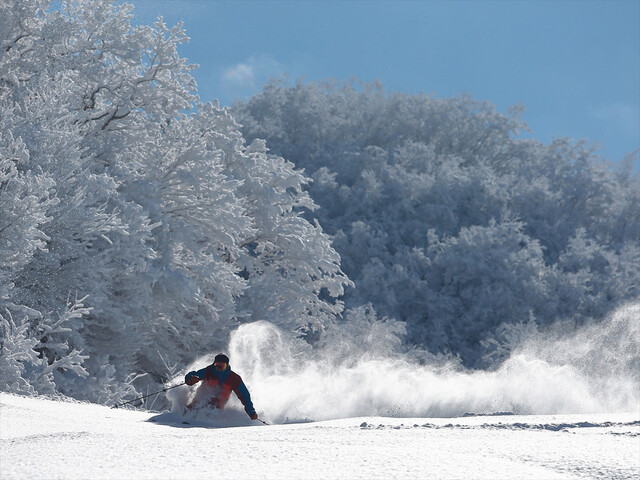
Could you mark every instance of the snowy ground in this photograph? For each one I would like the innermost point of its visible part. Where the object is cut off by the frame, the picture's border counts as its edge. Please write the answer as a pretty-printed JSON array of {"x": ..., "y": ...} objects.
[{"x": 50, "y": 439}]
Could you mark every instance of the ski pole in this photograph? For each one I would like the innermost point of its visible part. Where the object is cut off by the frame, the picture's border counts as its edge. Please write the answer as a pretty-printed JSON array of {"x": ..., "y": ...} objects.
[
  {"x": 145, "y": 396},
  {"x": 260, "y": 420}
]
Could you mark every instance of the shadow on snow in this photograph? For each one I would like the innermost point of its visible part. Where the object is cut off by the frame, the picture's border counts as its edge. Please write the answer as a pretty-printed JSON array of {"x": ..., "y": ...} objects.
[{"x": 204, "y": 418}]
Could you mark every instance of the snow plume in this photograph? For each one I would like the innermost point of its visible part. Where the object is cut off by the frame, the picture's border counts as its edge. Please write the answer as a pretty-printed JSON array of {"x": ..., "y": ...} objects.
[
  {"x": 602, "y": 359},
  {"x": 594, "y": 369}
]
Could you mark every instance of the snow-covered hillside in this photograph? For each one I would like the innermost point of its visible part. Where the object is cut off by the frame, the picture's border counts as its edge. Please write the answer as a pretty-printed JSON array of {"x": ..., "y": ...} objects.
[{"x": 51, "y": 439}]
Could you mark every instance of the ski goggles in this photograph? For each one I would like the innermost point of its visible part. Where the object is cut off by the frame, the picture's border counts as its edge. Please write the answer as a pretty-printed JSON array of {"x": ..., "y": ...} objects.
[{"x": 220, "y": 366}]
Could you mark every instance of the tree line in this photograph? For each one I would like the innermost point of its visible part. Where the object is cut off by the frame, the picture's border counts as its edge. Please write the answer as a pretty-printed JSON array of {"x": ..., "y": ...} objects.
[{"x": 140, "y": 226}]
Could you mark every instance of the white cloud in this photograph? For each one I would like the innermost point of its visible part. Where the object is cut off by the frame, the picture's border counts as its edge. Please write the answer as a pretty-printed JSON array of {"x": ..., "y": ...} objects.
[
  {"x": 246, "y": 78},
  {"x": 253, "y": 72},
  {"x": 242, "y": 74}
]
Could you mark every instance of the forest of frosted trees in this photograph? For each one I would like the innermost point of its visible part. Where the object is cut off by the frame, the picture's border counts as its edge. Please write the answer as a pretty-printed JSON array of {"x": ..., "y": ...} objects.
[
  {"x": 139, "y": 226},
  {"x": 445, "y": 221}
]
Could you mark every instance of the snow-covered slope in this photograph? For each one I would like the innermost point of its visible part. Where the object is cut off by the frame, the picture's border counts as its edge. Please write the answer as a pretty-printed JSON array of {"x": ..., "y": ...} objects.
[{"x": 51, "y": 439}]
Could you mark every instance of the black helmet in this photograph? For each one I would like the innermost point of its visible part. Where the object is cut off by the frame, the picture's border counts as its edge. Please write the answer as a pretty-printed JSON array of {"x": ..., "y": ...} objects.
[
  {"x": 222, "y": 358},
  {"x": 221, "y": 363}
]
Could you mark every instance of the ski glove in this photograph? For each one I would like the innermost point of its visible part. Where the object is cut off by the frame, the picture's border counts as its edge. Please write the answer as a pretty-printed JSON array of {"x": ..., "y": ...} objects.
[
  {"x": 191, "y": 378},
  {"x": 253, "y": 416}
]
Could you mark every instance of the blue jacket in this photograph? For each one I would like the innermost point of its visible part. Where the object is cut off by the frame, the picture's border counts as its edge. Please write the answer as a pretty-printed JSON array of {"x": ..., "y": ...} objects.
[{"x": 222, "y": 384}]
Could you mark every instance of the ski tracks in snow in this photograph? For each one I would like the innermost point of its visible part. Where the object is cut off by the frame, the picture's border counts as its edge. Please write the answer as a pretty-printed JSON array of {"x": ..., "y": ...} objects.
[{"x": 52, "y": 439}]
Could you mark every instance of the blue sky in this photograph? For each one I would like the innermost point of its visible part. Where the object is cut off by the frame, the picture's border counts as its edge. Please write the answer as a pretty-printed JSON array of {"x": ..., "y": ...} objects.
[{"x": 574, "y": 65}]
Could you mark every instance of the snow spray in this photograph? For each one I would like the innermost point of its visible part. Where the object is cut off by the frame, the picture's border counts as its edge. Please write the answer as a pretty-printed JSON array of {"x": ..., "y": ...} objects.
[{"x": 594, "y": 369}]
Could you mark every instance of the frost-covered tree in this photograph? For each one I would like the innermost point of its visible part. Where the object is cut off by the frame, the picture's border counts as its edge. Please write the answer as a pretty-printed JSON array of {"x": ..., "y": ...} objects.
[
  {"x": 446, "y": 221},
  {"x": 120, "y": 188},
  {"x": 85, "y": 218},
  {"x": 292, "y": 271},
  {"x": 34, "y": 344}
]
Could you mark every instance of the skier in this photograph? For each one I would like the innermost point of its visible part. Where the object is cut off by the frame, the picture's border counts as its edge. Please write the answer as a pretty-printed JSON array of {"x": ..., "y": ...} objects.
[{"x": 219, "y": 382}]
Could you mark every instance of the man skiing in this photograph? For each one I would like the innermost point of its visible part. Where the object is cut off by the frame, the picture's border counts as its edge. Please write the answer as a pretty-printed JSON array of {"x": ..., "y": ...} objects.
[{"x": 218, "y": 383}]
